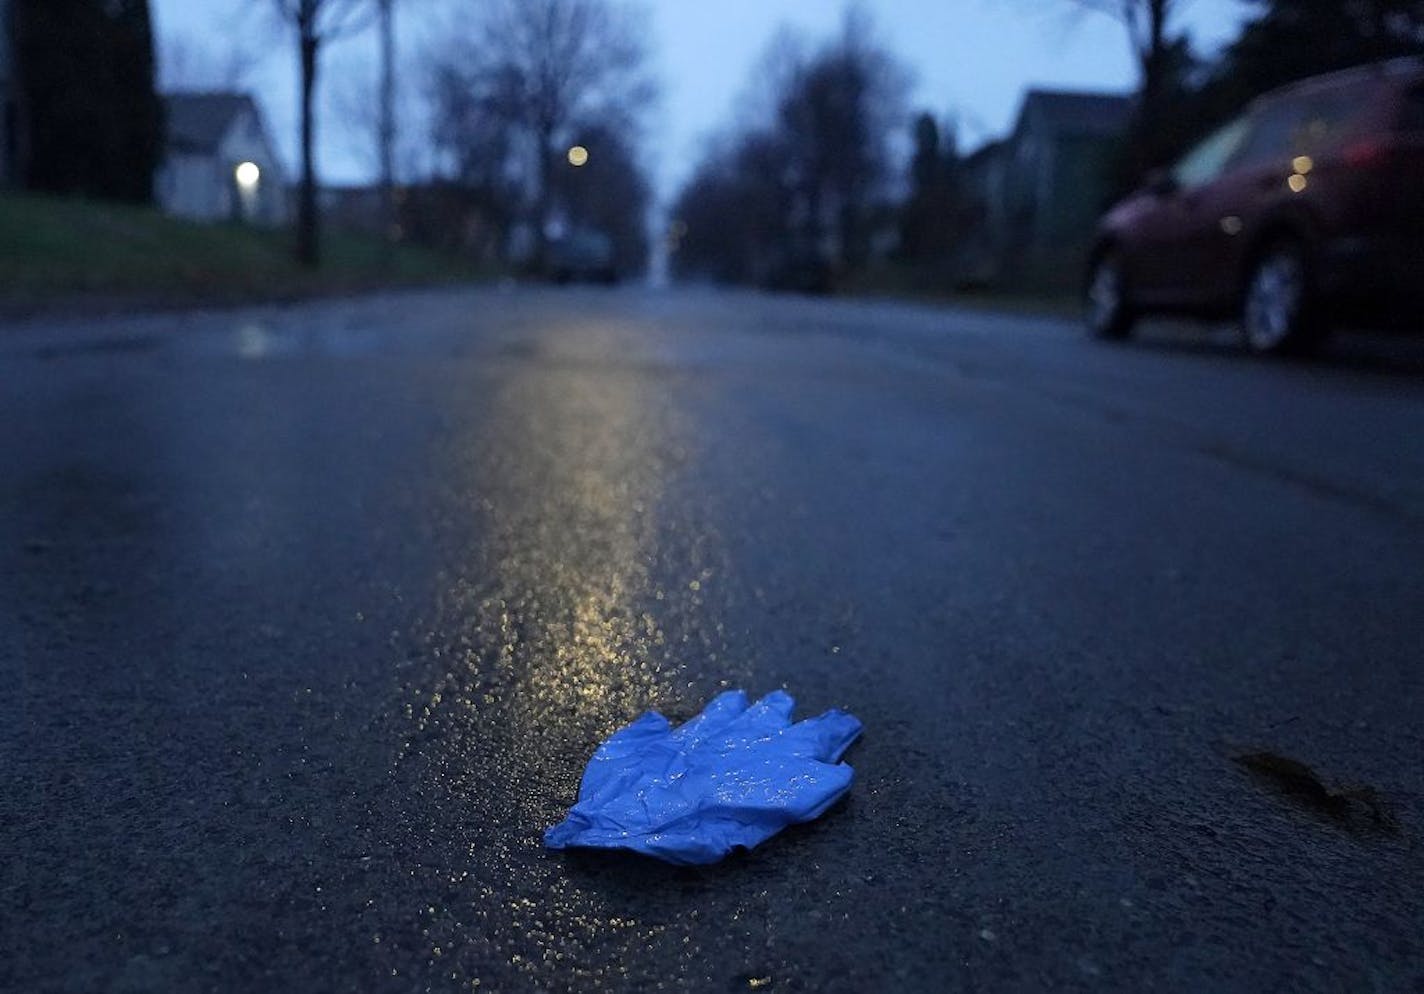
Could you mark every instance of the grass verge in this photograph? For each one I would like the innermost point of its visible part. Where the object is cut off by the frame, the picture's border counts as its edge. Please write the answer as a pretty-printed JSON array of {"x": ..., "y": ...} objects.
[
  {"x": 69, "y": 254},
  {"x": 904, "y": 282}
]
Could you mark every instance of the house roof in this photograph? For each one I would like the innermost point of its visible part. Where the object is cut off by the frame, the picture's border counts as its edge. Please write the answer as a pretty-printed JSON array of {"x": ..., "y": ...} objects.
[
  {"x": 985, "y": 152},
  {"x": 197, "y": 122},
  {"x": 1077, "y": 113}
]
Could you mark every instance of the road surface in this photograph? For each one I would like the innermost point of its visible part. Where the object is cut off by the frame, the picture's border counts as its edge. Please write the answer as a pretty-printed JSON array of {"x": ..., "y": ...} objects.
[{"x": 311, "y": 617}]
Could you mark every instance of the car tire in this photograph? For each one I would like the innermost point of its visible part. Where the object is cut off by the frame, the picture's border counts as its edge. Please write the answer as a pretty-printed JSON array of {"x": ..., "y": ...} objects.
[
  {"x": 1111, "y": 316},
  {"x": 1280, "y": 313}
]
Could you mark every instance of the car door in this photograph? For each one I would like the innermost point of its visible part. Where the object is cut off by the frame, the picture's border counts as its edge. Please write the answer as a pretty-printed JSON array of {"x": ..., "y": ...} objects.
[
  {"x": 1220, "y": 216},
  {"x": 1168, "y": 272}
]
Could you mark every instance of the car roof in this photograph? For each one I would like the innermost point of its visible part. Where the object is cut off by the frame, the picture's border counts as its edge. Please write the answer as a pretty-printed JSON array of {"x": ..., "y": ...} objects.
[{"x": 1407, "y": 69}]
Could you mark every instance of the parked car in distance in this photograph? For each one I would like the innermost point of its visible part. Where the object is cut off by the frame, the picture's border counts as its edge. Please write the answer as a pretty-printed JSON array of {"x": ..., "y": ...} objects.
[
  {"x": 1304, "y": 212},
  {"x": 582, "y": 254}
]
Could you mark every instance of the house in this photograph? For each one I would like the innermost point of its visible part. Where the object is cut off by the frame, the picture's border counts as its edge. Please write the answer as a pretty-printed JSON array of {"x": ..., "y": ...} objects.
[
  {"x": 1038, "y": 193},
  {"x": 219, "y": 163},
  {"x": 978, "y": 254}
]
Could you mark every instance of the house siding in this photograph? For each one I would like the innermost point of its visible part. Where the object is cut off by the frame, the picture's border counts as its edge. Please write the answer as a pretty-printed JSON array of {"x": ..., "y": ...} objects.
[
  {"x": 1040, "y": 193},
  {"x": 202, "y": 186},
  {"x": 247, "y": 142},
  {"x": 189, "y": 187}
]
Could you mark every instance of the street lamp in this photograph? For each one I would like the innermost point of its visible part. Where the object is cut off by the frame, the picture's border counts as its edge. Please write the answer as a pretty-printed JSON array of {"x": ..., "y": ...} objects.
[{"x": 578, "y": 156}]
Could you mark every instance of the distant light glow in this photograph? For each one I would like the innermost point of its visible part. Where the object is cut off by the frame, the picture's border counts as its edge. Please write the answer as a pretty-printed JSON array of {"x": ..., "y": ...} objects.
[
  {"x": 1297, "y": 183},
  {"x": 248, "y": 175},
  {"x": 578, "y": 156},
  {"x": 1303, "y": 164}
]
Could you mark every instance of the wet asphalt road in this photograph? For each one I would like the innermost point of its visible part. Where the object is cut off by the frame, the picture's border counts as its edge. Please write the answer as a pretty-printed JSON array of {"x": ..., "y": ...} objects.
[{"x": 310, "y": 618}]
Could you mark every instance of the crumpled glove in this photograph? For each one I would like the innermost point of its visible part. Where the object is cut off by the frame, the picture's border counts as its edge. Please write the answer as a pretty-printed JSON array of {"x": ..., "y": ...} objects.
[{"x": 735, "y": 775}]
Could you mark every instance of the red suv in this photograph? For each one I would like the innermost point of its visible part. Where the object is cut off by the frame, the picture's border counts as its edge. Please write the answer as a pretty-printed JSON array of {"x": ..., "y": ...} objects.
[{"x": 1306, "y": 210}]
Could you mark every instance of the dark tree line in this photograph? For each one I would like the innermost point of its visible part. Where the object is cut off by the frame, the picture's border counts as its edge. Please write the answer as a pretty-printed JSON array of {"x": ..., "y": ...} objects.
[
  {"x": 89, "y": 120},
  {"x": 791, "y": 199},
  {"x": 1288, "y": 40},
  {"x": 933, "y": 211},
  {"x": 610, "y": 193},
  {"x": 526, "y": 82},
  {"x": 797, "y": 199},
  {"x": 1283, "y": 41}
]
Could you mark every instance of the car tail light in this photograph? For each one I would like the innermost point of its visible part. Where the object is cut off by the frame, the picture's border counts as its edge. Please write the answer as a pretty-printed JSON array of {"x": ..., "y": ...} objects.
[{"x": 1367, "y": 153}]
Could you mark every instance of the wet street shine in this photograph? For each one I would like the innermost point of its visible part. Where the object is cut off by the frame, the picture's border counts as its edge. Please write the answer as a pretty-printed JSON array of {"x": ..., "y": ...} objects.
[{"x": 310, "y": 618}]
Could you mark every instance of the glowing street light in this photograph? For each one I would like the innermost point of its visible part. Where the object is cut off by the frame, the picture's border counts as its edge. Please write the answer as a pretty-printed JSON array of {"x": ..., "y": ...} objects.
[
  {"x": 248, "y": 175},
  {"x": 578, "y": 156}
]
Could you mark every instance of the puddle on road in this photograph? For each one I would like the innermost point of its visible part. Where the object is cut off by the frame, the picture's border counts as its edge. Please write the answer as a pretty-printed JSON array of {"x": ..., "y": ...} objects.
[
  {"x": 1358, "y": 809},
  {"x": 256, "y": 341},
  {"x": 572, "y": 600},
  {"x": 100, "y": 346}
]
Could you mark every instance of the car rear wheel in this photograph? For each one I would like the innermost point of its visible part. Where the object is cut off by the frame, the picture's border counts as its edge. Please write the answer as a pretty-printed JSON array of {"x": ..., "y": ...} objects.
[
  {"x": 1110, "y": 314},
  {"x": 1278, "y": 315}
]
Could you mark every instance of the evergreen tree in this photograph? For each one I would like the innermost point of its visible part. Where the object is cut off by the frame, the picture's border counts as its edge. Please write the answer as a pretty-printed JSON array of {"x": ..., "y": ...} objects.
[
  {"x": 1292, "y": 39},
  {"x": 91, "y": 118},
  {"x": 58, "y": 45},
  {"x": 927, "y": 227},
  {"x": 1289, "y": 40},
  {"x": 136, "y": 111}
]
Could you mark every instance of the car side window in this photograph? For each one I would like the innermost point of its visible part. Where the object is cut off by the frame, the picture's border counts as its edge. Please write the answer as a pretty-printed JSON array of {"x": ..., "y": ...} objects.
[
  {"x": 1273, "y": 133},
  {"x": 1328, "y": 116},
  {"x": 1207, "y": 161}
]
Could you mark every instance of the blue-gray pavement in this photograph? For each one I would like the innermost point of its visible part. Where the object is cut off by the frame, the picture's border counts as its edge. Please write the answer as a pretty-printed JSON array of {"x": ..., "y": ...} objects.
[{"x": 310, "y": 618}]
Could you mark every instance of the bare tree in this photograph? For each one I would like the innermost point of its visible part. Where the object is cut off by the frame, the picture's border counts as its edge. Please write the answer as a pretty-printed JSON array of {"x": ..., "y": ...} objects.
[
  {"x": 839, "y": 115},
  {"x": 315, "y": 23},
  {"x": 793, "y": 196},
  {"x": 187, "y": 63},
  {"x": 1165, "y": 64},
  {"x": 533, "y": 73},
  {"x": 1148, "y": 24},
  {"x": 387, "y": 127},
  {"x": 353, "y": 104}
]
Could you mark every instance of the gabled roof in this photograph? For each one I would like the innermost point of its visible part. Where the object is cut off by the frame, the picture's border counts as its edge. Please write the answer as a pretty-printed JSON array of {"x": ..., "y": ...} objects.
[
  {"x": 1067, "y": 112},
  {"x": 197, "y": 122},
  {"x": 985, "y": 152}
]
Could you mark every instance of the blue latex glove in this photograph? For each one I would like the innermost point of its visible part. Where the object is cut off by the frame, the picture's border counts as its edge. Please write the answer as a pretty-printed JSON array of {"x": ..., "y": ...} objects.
[{"x": 735, "y": 775}]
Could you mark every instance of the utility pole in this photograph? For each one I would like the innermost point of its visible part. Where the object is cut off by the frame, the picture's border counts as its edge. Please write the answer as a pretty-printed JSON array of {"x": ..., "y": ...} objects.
[{"x": 387, "y": 126}]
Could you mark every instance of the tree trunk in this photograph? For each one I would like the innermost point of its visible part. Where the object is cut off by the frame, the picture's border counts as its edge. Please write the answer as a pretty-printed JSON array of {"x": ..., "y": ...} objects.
[
  {"x": 308, "y": 250},
  {"x": 387, "y": 139},
  {"x": 543, "y": 202},
  {"x": 1153, "y": 59}
]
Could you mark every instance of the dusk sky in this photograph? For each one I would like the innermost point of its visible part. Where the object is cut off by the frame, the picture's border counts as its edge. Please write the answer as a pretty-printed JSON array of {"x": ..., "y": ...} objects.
[{"x": 970, "y": 57}]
